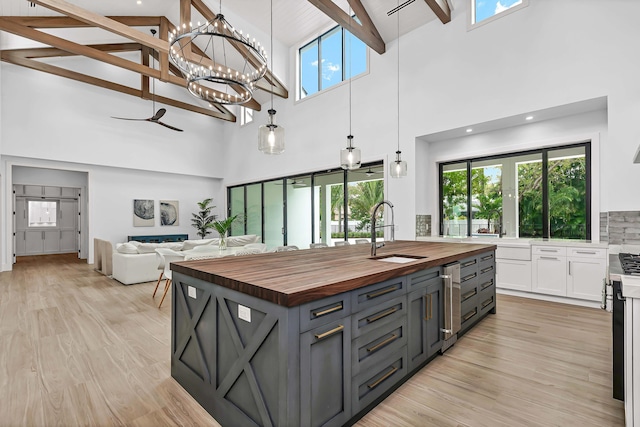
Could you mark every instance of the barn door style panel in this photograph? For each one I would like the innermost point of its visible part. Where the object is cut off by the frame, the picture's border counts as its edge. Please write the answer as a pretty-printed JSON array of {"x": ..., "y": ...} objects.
[{"x": 242, "y": 372}]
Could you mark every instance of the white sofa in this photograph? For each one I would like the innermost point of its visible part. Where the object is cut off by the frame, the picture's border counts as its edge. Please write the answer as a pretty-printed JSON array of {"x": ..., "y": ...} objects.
[{"x": 135, "y": 262}]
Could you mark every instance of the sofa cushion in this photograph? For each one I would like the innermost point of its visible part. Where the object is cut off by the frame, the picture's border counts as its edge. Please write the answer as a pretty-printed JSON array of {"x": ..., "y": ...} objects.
[
  {"x": 190, "y": 244},
  {"x": 134, "y": 243},
  {"x": 126, "y": 248},
  {"x": 147, "y": 248},
  {"x": 174, "y": 246},
  {"x": 242, "y": 240}
]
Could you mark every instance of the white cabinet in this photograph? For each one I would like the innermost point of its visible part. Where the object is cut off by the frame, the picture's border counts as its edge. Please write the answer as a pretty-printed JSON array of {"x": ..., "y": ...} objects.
[
  {"x": 549, "y": 274},
  {"x": 513, "y": 274},
  {"x": 575, "y": 272},
  {"x": 586, "y": 270}
]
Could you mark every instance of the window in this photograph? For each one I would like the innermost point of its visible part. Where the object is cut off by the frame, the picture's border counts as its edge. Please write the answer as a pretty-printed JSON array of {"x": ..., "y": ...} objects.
[
  {"x": 310, "y": 208},
  {"x": 42, "y": 214},
  {"x": 539, "y": 194},
  {"x": 483, "y": 11},
  {"x": 324, "y": 62},
  {"x": 246, "y": 116}
]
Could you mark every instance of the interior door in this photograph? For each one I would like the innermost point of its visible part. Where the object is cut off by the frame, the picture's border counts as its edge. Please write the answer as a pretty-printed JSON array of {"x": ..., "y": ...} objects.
[{"x": 68, "y": 225}]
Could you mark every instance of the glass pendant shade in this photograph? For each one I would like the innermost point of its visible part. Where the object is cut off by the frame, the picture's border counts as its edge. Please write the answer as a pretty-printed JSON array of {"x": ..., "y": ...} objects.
[
  {"x": 350, "y": 157},
  {"x": 271, "y": 136},
  {"x": 398, "y": 168}
]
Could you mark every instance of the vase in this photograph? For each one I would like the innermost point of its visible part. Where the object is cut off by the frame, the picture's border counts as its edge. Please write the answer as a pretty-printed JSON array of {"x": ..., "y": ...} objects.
[{"x": 222, "y": 243}]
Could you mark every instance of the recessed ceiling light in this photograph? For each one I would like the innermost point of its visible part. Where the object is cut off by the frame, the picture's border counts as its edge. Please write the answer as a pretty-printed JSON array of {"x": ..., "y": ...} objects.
[
  {"x": 139, "y": 2},
  {"x": 529, "y": 118},
  {"x": 469, "y": 130}
]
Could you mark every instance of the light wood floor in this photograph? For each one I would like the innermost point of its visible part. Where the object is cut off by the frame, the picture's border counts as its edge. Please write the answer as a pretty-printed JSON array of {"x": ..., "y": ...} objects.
[{"x": 77, "y": 348}]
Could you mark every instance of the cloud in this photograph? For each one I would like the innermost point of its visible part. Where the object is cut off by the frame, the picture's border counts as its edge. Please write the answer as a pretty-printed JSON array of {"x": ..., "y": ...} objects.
[
  {"x": 329, "y": 69},
  {"x": 501, "y": 8}
]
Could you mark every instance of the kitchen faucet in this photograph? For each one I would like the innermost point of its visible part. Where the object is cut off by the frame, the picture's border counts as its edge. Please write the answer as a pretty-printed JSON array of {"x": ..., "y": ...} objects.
[{"x": 374, "y": 245}]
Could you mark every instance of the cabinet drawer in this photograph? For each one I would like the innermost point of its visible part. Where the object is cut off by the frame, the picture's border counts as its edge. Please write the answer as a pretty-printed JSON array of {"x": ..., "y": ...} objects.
[
  {"x": 486, "y": 303},
  {"x": 549, "y": 250},
  {"x": 375, "y": 347},
  {"x": 423, "y": 278},
  {"x": 516, "y": 253},
  {"x": 468, "y": 267},
  {"x": 371, "y": 384},
  {"x": 468, "y": 301},
  {"x": 469, "y": 317},
  {"x": 378, "y": 316},
  {"x": 317, "y": 313},
  {"x": 486, "y": 287},
  {"x": 486, "y": 273},
  {"x": 485, "y": 260},
  {"x": 377, "y": 293},
  {"x": 587, "y": 253}
]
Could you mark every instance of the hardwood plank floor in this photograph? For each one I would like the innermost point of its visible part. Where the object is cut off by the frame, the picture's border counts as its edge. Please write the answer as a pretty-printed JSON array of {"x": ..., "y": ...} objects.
[{"x": 78, "y": 348}]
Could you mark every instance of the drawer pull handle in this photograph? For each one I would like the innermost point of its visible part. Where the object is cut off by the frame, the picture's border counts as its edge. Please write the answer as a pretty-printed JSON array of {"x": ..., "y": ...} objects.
[
  {"x": 469, "y": 277},
  {"x": 486, "y": 284},
  {"x": 549, "y": 258},
  {"x": 484, "y": 258},
  {"x": 469, "y": 294},
  {"x": 383, "y": 343},
  {"x": 586, "y": 252},
  {"x": 382, "y": 292},
  {"x": 484, "y": 270},
  {"x": 331, "y": 332},
  {"x": 428, "y": 306},
  {"x": 548, "y": 250},
  {"x": 384, "y": 377},
  {"x": 468, "y": 263},
  {"x": 470, "y": 315},
  {"x": 327, "y": 311},
  {"x": 487, "y": 302},
  {"x": 381, "y": 315}
]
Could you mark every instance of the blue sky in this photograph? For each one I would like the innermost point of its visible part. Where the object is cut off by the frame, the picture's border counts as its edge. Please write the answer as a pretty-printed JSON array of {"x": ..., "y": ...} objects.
[{"x": 487, "y": 8}]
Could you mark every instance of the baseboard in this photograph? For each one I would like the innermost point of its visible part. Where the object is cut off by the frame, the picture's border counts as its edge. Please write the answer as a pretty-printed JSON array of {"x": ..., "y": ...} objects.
[{"x": 552, "y": 298}]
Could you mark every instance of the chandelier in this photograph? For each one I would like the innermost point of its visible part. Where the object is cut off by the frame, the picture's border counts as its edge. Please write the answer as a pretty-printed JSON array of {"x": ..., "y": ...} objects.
[{"x": 221, "y": 65}]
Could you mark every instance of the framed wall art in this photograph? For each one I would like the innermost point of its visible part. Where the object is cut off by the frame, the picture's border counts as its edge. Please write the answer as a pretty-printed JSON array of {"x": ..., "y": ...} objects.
[
  {"x": 143, "y": 213},
  {"x": 169, "y": 210}
]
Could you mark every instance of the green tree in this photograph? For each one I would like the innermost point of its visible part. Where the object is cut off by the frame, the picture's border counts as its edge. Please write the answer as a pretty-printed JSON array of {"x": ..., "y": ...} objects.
[
  {"x": 454, "y": 193},
  {"x": 363, "y": 196},
  {"x": 203, "y": 220},
  {"x": 487, "y": 196},
  {"x": 337, "y": 202}
]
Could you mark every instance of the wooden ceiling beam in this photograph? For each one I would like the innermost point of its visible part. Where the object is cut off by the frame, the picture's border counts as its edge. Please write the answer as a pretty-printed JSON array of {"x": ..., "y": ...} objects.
[
  {"x": 441, "y": 9},
  {"x": 68, "y": 22},
  {"x": 362, "y": 14},
  {"x": 103, "y": 22},
  {"x": 366, "y": 32},
  {"x": 18, "y": 58}
]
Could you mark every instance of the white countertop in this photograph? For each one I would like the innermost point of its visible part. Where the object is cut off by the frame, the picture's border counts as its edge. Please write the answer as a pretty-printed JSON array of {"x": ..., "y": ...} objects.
[{"x": 513, "y": 242}]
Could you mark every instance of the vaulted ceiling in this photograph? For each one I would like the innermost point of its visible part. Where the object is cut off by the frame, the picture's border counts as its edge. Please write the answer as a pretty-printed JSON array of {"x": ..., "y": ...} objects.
[{"x": 129, "y": 21}]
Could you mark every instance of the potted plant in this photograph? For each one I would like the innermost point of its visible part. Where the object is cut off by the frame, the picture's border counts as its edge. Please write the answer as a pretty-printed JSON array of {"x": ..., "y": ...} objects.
[
  {"x": 203, "y": 220},
  {"x": 222, "y": 227}
]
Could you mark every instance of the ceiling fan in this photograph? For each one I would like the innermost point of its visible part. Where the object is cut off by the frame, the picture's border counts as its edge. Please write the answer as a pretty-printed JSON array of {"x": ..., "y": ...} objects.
[
  {"x": 158, "y": 114},
  {"x": 368, "y": 172}
]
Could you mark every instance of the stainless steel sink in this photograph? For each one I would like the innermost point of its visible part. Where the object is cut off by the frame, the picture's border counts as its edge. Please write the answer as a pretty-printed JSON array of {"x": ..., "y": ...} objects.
[{"x": 398, "y": 258}]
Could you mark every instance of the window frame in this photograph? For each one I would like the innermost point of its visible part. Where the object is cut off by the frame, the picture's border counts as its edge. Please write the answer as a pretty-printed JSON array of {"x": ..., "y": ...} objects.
[
  {"x": 471, "y": 21},
  {"x": 246, "y": 115},
  {"x": 544, "y": 151},
  {"x": 318, "y": 40}
]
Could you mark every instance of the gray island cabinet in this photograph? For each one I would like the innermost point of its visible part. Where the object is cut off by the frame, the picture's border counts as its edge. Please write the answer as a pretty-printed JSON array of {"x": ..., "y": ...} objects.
[{"x": 315, "y": 337}]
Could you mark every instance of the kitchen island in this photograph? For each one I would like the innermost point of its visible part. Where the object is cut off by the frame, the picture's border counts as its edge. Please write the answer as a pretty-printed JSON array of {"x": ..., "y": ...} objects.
[{"x": 316, "y": 337}]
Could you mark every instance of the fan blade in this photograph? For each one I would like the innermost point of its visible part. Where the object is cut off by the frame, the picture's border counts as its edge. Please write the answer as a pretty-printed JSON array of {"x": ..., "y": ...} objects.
[
  {"x": 158, "y": 115},
  {"x": 124, "y": 118},
  {"x": 168, "y": 126}
]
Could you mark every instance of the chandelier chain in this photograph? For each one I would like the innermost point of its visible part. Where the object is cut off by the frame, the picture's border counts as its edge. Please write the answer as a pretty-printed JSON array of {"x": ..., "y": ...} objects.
[
  {"x": 398, "y": 77},
  {"x": 271, "y": 50}
]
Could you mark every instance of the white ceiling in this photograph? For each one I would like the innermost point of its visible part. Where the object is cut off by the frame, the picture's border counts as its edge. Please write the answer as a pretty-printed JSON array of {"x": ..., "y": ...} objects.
[{"x": 294, "y": 21}]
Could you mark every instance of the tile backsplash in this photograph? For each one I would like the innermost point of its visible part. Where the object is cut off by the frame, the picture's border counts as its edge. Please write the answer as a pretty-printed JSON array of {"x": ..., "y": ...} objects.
[
  {"x": 423, "y": 225},
  {"x": 620, "y": 227}
]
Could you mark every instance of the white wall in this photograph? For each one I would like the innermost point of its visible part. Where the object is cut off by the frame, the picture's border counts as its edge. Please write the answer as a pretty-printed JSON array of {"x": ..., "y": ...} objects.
[
  {"x": 110, "y": 195},
  {"x": 548, "y": 54},
  {"x": 561, "y": 131}
]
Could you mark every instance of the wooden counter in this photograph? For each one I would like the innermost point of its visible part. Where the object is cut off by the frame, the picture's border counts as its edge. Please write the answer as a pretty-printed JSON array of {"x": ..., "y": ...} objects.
[{"x": 295, "y": 277}]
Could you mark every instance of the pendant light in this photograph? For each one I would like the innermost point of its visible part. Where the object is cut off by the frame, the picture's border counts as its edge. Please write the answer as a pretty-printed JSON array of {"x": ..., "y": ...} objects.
[
  {"x": 398, "y": 168},
  {"x": 350, "y": 157},
  {"x": 271, "y": 135}
]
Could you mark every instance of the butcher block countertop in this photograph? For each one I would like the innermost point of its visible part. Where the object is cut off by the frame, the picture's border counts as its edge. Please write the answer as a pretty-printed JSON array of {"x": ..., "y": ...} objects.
[{"x": 296, "y": 277}]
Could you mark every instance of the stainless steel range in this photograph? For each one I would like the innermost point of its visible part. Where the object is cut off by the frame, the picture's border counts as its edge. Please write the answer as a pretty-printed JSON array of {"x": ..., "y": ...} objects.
[{"x": 630, "y": 263}]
